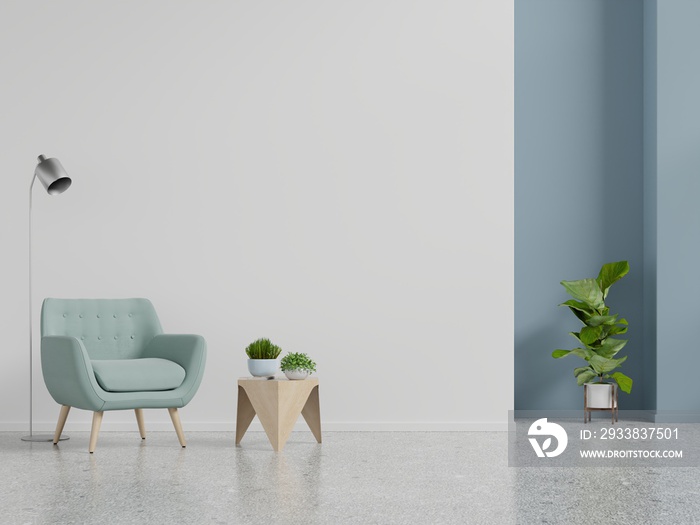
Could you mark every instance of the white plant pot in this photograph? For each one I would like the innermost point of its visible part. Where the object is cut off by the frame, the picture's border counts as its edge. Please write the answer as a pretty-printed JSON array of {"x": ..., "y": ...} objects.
[
  {"x": 600, "y": 395},
  {"x": 296, "y": 374},
  {"x": 262, "y": 367}
]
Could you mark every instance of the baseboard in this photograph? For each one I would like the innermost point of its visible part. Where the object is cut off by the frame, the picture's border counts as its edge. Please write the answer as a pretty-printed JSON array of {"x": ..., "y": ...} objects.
[
  {"x": 230, "y": 426},
  {"x": 626, "y": 415},
  {"x": 677, "y": 416}
]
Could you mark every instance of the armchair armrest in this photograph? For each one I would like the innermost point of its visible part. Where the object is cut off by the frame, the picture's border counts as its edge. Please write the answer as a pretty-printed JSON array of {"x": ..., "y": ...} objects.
[
  {"x": 188, "y": 351},
  {"x": 68, "y": 373}
]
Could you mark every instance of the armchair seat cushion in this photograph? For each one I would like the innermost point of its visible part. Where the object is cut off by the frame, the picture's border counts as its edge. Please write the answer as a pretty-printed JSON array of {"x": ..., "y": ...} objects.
[{"x": 138, "y": 375}]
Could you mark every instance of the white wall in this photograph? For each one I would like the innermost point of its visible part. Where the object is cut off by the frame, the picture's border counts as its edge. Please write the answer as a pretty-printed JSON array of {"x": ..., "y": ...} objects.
[{"x": 337, "y": 176}]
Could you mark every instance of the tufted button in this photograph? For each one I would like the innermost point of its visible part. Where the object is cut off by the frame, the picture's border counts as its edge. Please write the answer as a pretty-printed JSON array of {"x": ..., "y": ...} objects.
[
  {"x": 98, "y": 316},
  {"x": 115, "y": 337},
  {"x": 115, "y": 316},
  {"x": 132, "y": 336},
  {"x": 80, "y": 315},
  {"x": 99, "y": 338},
  {"x": 129, "y": 315},
  {"x": 65, "y": 315},
  {"x": 82, "y": 338}
]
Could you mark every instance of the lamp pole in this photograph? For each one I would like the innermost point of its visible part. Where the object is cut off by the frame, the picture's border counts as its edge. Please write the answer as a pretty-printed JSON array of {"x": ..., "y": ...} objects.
[{"x": 55, "y": 180}]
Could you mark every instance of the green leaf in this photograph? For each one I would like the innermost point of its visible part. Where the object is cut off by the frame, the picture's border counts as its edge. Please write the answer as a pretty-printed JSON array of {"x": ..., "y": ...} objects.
[
  {"x": 582, "y": 316},
  {"x": 597, "y": 320},
  {"x": 587, "y": 291},
  {"x": 583, "y": 353},
  {"x": 611, "y": 273},
  {"x": 602, "y": 364},
  {"x": 610, "y": 347},
  {"x": 590, "y": 334},
  {"x": 624, "y": 382},
  {"x": 579, "y": 309},
  {"x": 616, "y": 330},
  {"x": 578, "y": 305},
  {"x": 581, "y": 370},
  {"x": 581, "y": 338},
  {"x": 577, "y": 336},
  {"x": 585, "y": 377},
  {"x": 580, "y": 352}
]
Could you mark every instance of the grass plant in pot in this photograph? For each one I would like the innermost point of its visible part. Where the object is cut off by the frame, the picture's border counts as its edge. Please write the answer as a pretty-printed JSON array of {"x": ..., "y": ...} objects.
[
  {"x": 597, "y": 346},
  {"x": 262, "y": 358},
  {"x": 297, "y": 366}
]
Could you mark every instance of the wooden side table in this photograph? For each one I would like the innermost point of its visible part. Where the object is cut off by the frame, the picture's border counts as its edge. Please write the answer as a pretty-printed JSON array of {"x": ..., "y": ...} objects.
[{"x": 277, "y": 403}]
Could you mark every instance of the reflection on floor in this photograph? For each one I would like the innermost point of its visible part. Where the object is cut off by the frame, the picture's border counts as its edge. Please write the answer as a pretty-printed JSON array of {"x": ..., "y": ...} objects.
[{"x": 354, "y": 477}]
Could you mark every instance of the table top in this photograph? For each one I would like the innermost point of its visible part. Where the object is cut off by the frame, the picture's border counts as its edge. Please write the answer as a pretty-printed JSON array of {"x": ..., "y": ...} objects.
[{"x": 276, "y": 380}]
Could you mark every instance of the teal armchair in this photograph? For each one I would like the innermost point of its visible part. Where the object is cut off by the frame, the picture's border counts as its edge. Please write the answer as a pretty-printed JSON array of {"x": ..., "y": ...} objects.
[{"x": 111, "y": 354}]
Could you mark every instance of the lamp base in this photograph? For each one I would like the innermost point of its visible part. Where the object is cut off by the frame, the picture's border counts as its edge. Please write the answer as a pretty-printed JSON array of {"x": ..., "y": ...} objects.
[{"x": 43, "y": 438}]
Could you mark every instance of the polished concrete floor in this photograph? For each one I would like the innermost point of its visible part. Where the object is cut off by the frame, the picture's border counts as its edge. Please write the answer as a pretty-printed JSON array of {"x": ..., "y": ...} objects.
[{"x": 353, "y": 477}]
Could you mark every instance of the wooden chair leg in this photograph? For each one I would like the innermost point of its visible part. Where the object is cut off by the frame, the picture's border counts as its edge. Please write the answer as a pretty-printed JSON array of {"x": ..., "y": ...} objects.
[
  {"x": 139, "y": 421},
  {"x": 175, "y": 416},
  {"x": 96, "y": 422},
  {"x": 62, "y": 416}
]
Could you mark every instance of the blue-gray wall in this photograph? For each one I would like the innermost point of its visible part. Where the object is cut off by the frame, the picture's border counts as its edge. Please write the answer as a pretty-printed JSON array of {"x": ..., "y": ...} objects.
[
  {"x": 578, "y": 182},
  {"x": 650, "y": 183},
  {"x": 678, "y": 212}
]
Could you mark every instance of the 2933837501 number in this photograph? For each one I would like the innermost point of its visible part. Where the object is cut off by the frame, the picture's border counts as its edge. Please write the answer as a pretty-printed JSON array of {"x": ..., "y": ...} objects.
[{"x": 639, "y": 433}]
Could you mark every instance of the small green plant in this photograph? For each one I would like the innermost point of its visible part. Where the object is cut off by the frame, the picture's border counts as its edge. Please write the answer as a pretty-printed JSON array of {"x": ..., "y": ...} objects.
[
  {"x": 294, "y": 361},
  {"x": 263, "y": 349},
  {"x": 598, "y": 347}
]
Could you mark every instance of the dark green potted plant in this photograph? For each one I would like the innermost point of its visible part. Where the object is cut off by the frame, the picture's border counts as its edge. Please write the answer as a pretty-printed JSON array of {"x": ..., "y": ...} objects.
[
  {"x": 262, "y": 358},
  {"x": 597, "y": 346},
  {"x": 297, "y": 366}
]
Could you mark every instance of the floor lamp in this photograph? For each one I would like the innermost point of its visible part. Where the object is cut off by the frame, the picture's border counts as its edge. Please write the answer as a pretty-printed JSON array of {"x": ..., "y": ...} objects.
[{"x": 55, "y": 180}]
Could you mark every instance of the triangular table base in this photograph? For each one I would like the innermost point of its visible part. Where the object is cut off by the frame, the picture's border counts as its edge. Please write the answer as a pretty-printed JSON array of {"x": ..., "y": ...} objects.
[{"x": 278, "y": 403}]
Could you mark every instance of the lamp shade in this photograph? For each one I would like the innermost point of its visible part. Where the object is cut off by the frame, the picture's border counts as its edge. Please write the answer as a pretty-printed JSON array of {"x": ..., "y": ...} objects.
[{"x": 52, "y": 175}]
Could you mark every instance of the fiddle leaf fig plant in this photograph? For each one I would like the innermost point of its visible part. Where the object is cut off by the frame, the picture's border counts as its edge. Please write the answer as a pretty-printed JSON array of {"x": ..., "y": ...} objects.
[{"x": 597, "y": 345}]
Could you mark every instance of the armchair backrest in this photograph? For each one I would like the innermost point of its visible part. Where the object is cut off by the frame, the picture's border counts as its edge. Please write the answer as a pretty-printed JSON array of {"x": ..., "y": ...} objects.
[{"x": 109, "y": 328}]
